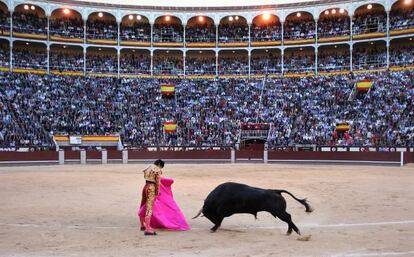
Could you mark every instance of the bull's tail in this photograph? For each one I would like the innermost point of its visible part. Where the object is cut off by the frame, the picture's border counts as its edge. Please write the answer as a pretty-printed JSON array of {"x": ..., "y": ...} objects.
[
  {"x": 302, "y": 201},
  {"x": 198, "y": 214}
]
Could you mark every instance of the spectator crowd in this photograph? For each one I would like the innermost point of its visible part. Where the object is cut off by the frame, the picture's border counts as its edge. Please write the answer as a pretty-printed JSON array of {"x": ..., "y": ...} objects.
[{"x": 302, "y": 110}]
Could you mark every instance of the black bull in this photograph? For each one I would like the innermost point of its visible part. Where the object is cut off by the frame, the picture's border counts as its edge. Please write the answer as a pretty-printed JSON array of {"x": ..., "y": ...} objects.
[{"x": 231, "y": 198}]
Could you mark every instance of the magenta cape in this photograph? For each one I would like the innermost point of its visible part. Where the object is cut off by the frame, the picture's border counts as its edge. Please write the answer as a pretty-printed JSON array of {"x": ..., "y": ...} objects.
[{"x": 166, "y": 213}]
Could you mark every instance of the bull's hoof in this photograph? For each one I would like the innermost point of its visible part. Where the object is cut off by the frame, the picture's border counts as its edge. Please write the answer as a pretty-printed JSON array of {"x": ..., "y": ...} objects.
[
  {"x": 214, "y": 229},
  {"x": 150, "y": 233},
  {"x": 288, "y": 233}
]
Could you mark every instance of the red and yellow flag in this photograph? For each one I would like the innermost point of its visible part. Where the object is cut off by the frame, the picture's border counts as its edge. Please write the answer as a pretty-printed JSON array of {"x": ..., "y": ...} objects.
[
  {"x": 167, "y": 89},
  {"x": 170, "y": 126},
  {"x": 364, "y": 85},
  {"x": 342, "y": 127}
]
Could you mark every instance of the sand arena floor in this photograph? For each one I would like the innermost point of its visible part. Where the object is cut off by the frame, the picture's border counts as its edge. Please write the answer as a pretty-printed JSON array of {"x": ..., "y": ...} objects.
[{"x": 90, "y": 211}]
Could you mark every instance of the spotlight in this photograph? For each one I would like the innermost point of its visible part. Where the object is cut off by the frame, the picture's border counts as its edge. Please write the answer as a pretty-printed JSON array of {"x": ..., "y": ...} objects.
[
  {"x": 342, "y": 10},
  {"x": 301, "y": 48},
  {"x": 167, "y": 18},
  {"x": 233, "y": 52},
  {"x": 371, "y": 43},
  {"x": 411, "y": 39},
  {"x": 336, "y": 46},
  {"x": 32, "y": 7},
  {"x": 369, "y": 7},
  {"x": 130, "y": 16},
  {"x": 26, "y": 7},
  {"x": 231, "y": 18},
  {"x": 333, "y": 11},
  {"x": 133, "y": 50},
  {"x": 100, "y": 15},
  {"x": 168, "y": 51},
  {"x": 200, "y": 52},
  {"x": 236, "y": 18},
  {"x": 99, "y": 49},
  {"x": 64, "y": 46},
  {"x": 200, "y": 18},
  {"x": 267, "y": 50},
  {"x": 139, "y": 17},
  {"x": 27, "y": 43},
  {"x": 298, "y": 14},
  {"x": 326, "y": 12},
  {"x": 266, "y": 16},
  {"x": 66, "y": 11}
]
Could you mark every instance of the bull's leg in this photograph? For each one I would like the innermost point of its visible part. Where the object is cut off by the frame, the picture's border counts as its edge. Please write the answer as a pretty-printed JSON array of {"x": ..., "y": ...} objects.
[
  {"x": 288, "y": 219},
  {"x": 217, "y": 224}
]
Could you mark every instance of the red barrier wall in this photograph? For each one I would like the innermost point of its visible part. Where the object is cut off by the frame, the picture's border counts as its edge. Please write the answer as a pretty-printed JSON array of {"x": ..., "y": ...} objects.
[
  {"x": 114, "y": 155},
  {"x": 93, "y": 155},
  {"x": 205, "y": 155},
  {"x": 29, "y": 156},
  {"x": 249, "y": 154},
  {"x": 339, "y": 156},
  {"x": 72, "y": 155},
  {"x": 211, "y": 155},
  {"x": 408, "y": 157}
]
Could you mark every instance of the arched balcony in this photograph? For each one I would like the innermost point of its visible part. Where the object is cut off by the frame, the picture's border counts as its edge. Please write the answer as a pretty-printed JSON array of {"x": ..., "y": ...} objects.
[
  {"x": 370, "y": 21},
  {"x": 200, "y": 32},
  {"x": 66, "y": 59},
  {"x": 29, "y": 21},
  {"x": 135, "y": 30},
  {"x": 266, "y": 61},
  {"x": 402, "y": 52},
  {"x": 168, "y": 32},
  {"x": 299, "y": 61},
  {"x": 199, "y": 63},
  {"x": 29, "y": 56},
  {"x": 233, "y": 32},
  {"x": 233, "y": 62},
  {"x": 101, "y": 60},
  {"x": 402, "y": 18},
  {"x": 334, "y": 25},
  {"x": 101, "y": 28},
  {"x": 4, "y": 20},
  {"x": 135, "y": 62},
  {"x": 334, "y": 58},
  {"x": 169, "y": 63},
  {"x": 299, "y": 28},
  {"x": 4, "y": 55},
  {"x": 369, "y": 55},
  {"x": 266, "y": 30},
  {"x": 66, "y": 25}
]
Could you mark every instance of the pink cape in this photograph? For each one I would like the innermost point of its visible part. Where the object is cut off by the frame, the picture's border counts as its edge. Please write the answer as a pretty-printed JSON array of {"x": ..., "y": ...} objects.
[{"x": 166, "y": 213}]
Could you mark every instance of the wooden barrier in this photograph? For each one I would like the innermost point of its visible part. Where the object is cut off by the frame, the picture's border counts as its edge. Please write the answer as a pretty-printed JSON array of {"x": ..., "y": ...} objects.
[
  {"x": 210, "y": 155},
  {"x": 180, "y": 155},
  {"x": 408, "y": 157},
  {"x": 40, "y": 156},
  {"x": 249, "y": 155},
  {"x": 380, "y": 157}
]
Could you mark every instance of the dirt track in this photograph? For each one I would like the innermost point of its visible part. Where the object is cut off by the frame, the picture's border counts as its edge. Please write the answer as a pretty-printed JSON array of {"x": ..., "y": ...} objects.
[{"x": 90, "y": 211}]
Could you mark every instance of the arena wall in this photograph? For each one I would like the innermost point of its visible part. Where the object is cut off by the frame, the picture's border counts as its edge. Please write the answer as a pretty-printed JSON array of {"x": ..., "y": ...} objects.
[{"x": 127, "y": 156}]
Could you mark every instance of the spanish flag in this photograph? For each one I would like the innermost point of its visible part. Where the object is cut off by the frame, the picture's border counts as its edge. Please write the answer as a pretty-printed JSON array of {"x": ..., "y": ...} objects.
[
  {"x": 364, "y": 85},
  {"x": 167, "y": 89},
  {"x": 342, "y": 127},
  {"x": 170, "y": 127}
]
